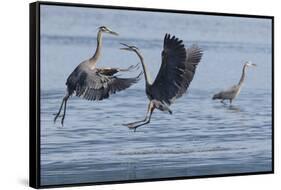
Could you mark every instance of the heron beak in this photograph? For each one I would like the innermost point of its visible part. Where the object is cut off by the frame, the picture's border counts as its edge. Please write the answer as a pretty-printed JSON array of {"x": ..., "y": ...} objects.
[
  {"x": 255, "y": 65},
  {"x": 128, "y": 49},
  {"x": 113, "y": 33}
]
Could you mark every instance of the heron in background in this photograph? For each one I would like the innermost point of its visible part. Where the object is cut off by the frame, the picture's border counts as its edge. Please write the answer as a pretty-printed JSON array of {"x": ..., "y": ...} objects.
[
  {"x": 92, "y": 83},
  {"x": 234, "y": 91},
  {"x": 175, "y": 75}
]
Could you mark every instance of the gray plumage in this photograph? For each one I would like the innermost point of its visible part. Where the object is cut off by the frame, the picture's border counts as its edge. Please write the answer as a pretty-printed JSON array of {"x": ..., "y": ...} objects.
[
  {"x": 96, "y": 84},
  {"x": 174, "y": 77},
  {"x": 231, "y": 93},
  {"x": 91, "y": 83}
]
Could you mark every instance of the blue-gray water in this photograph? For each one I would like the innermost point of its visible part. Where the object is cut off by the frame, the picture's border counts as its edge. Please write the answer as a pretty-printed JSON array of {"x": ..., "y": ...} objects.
[{"x": 202, "y": 137}]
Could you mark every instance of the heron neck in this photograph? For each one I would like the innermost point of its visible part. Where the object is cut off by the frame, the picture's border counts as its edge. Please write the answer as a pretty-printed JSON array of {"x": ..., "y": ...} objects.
[
  {"x": 146, "y": 72},
  {"x": 242, "y": 76},
  {"x": 94, "y": 58}
]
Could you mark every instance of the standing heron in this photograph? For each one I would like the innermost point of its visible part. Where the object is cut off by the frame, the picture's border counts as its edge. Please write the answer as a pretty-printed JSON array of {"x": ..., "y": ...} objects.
[
  {"x": 92, "y": 83},
  {"x": 175, "y": 75},
  {"x": 234, "y": 91}
]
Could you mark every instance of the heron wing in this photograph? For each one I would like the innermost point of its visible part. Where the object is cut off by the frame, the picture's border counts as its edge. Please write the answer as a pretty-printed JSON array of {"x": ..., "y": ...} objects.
[
  {"x": 93, "y": 85},
  {"x": 176, "y": 71},
  {"x": 232, "y": 89},
  {"x": 230, "y": 92},
  {"x": 193, "y": 57},
  {"x": 108, "y": 71}
]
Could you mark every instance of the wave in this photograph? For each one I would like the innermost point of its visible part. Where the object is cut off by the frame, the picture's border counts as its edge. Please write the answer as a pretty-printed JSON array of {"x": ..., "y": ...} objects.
[{"x": 177, "y": 151}]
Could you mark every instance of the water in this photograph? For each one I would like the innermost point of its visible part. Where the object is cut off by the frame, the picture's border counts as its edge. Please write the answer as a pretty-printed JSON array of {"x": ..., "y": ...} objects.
[{"x": 202, "y": 137}]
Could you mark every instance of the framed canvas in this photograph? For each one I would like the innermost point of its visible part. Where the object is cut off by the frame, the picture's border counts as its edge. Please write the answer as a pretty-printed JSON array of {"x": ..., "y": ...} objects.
[{"x": 122, "y": 94}]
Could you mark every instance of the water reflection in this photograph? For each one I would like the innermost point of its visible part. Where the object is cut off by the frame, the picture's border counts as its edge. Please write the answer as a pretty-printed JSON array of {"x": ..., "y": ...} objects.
[{"x": 234, "y": 108}]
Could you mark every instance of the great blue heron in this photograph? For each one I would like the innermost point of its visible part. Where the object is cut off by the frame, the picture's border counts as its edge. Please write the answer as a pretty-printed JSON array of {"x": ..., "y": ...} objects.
[
  {"x": 234, "y": 91},
  {"x": 175, "y": 74},
  {"x": 92, "y": 83}
]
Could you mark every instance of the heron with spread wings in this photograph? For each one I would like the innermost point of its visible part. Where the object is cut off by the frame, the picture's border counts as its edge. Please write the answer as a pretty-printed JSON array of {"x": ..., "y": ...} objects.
[
  {"x": 174, "y": 77},
  {"x": 92, "y": 83}
]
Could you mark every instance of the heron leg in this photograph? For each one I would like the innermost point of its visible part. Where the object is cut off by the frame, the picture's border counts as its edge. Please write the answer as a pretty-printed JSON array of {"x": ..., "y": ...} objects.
[
  {"x": 230, "y": 101},
  {"x": 64, "y": 100},
  {"x": 135, "y": 125},
  {"x": 144, "y": 123},
  {"x": 58, "y": 114},
  {"x": 64, "y": 110},
  {"x": 222, "y": 101},
  {"x": 143, "y": 120}
]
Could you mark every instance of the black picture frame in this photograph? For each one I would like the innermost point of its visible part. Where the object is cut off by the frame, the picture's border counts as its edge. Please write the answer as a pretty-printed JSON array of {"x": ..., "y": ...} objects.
[{"x": 34, "y": 91}]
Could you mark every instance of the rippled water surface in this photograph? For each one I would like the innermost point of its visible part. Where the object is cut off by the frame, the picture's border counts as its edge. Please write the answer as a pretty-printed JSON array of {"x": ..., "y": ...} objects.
[{"x": 202, "y": 137}]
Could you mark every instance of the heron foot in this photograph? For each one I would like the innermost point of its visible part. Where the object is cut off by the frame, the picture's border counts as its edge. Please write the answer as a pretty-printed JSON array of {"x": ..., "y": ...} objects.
[
  {"x": 133, "y": 128},
  {"x": 222, "y": 101},
  {"x": 56, "y": 117},
  {"x": 59, "y": 116},
  {"x": 130, "y": 126}
]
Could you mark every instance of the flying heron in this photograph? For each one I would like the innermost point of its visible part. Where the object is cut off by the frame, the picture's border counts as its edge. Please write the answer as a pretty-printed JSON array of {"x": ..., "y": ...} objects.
[
  {"x": 175, "y": 75},
  {"x": 234, "y": 91},
  {"x": 92, "y": 83}
]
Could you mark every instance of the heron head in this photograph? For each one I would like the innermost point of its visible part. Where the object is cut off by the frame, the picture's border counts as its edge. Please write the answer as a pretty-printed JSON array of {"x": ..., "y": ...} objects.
[
  {"x": 107, "y": 30},
  {"x": 129, "y": 48},
  {"x": 250, "y": 64}
]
